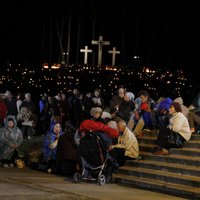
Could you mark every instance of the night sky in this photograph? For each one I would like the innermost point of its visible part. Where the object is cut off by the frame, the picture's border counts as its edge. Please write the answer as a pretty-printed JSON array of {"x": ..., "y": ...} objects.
[{"x": 164, "y": 35}]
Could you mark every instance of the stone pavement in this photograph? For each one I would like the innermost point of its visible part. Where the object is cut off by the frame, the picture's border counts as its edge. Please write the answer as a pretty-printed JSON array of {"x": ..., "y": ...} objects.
[{"x": 28, "y": 184}]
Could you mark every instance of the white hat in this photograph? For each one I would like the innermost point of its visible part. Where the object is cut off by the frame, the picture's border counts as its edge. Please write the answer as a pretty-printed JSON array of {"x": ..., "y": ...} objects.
[
  {"x": 106, "y": 115},
  {"x": 112, "y": 124},
  {"x": 8, "y": 94},
  {"x": 130, "y": 95}
]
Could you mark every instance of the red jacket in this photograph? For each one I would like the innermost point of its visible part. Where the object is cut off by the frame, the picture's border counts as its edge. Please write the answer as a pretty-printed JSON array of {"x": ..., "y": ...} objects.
[{"x": 90, "y": 125}]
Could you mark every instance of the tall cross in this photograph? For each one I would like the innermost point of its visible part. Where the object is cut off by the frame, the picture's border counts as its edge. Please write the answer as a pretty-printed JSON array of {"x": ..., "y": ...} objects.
[
  {"x": 113, "y": 52},
  {"x": 86, "y": 51},
  {"x": 100, "y": 43}
]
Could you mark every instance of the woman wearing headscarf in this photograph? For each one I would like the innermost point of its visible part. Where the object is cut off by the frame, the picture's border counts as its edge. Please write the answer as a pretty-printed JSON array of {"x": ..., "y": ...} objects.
[
  {"x": 50, "y": 145},
  {"x": 11, "y": 137}
]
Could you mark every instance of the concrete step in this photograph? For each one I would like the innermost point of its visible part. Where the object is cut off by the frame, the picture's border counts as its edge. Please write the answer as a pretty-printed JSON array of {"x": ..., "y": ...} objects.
[
  {"x": 178, "y": 159},
  {"x": 154, "y": 133},
  {"x": 195, "y": 143},
  {"x": 188, "y": 151},
  {"x": 158, "y": 185},
  {"x": 195, "y": 137},
  {"x": 177, "y": 174},
  {"x": 171, "y": 167},
  {"x": 154, "y": 174}
]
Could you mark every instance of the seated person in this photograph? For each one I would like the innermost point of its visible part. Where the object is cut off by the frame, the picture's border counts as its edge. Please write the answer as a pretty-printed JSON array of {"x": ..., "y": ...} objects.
[
  {"x": 125, "y": 108},
  {"x": 11, "y": 138},
  {"x": 127, "y": 147},
  {"x": 67, "y": 156},
  {"x": 161, "y": 114},
  {"x": 175, "y": 134}
]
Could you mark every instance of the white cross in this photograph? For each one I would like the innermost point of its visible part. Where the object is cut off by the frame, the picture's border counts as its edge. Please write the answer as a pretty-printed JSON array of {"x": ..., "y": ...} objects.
[
  {"x": 86, "y": 51},
  {"x": 113, "y": 52},
  {"x": 100, "y": 43}
]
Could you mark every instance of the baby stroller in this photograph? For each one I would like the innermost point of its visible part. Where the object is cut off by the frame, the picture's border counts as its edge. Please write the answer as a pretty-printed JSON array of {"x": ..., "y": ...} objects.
[{"x": 97, "y": 164}]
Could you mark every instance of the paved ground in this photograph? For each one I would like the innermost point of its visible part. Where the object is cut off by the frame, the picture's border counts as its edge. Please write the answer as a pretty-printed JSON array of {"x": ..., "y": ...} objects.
[{"x": 27, "y": 184}]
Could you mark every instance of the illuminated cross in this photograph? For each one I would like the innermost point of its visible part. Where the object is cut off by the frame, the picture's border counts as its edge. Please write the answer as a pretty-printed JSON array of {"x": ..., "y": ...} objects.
[
  {"x": 113, "y": 52},
  {"x": 86, "y": 51},
  {"x": 100, "y": 43}
]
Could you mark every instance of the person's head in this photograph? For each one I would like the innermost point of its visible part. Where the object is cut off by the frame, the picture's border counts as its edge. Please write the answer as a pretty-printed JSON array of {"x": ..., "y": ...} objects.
[
  {"x": 96, "y": 112},
  {"x": 121, "y": 92},
  {"x": 57, "y": 128},
  {"x": 174, "y": 107},
  {"x": 11, "y": 122},
  {"x": 129, "y": 96},
  {"x": 75, "y": 91},
  {"x": 63, "y": 96},
  {"x": 143, "y": 95},
  {"x": 121, "y": 125},
  {"x": 89, "y": 94},
  {"x": 8, "y": 94},
  {"x": 96, "y": 93},
  {"x": 28, "y": 97}
]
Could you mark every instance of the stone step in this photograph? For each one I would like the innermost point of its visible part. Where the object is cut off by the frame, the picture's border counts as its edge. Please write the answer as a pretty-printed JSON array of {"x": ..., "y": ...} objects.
[
  {"x": 154, "y": 174},
  {"x": 171, "y": 167},
  {"x": 177, "y": 174},
  {"x": 152, "y": 133},
  {"x": 195, "y": 137},
  {"x": 171, "y": 158},
  {"x": 147, "y": 147},
  {"x": 158, "y": 186},
  {"x": 195, "y": 143},
  {"x": 188, "y": 151}
]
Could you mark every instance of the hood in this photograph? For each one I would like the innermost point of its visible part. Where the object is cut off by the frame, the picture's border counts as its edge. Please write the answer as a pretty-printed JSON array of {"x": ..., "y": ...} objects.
[
  {"x": 165, "y": 104},
  {"x": 179, "y": 100},
  {"x": 8, "y": 117}
]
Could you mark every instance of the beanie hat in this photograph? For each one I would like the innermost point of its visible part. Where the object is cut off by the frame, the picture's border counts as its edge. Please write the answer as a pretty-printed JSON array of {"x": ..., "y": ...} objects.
[
  {"x": 130, "y": 95},
  {"x": 165, "y": 104}
]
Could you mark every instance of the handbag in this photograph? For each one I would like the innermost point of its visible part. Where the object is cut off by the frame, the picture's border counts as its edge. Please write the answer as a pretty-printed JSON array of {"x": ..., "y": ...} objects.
[{"x": 175, "y": 140}]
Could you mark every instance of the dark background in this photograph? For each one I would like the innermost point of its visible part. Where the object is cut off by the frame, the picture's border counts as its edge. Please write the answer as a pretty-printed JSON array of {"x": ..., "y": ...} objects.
[{"x": 163, "y": 34}]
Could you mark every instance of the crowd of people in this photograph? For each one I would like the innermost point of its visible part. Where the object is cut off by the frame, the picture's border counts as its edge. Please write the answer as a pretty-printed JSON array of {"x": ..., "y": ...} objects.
[{"x": 61, "y": 121}]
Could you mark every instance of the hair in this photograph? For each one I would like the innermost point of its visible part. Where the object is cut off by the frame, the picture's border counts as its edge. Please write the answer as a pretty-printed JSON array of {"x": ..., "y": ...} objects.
[
  {"x": 144, "y": 93},
  {"x": 96, "y": 110},
  {"x": 177, "y": 106},
  {"x": 10, "y": 119},
  {"x": 122, "y": 122}
]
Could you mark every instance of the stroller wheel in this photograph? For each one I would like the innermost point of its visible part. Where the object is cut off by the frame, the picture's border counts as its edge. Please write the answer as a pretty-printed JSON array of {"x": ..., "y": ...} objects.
[
  {"x": 77, "y": 177},
  {"x": 101, "y": 179}
]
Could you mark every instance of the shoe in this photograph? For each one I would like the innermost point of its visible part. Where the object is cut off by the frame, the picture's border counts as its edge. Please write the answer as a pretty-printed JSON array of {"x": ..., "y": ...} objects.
[
  {"x": 5, "y": 165},
  {"x": 49, "y": 170},
  {"x": 192, "y": 130},
  {"x": 139, "y": 157},
  {"x": 161, "y": 152},
  {"x": 114, "y": 163},
  {"x": 11, "y": 165}
]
